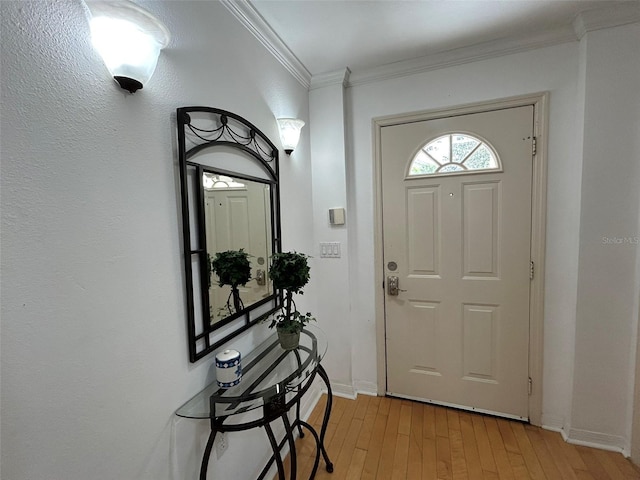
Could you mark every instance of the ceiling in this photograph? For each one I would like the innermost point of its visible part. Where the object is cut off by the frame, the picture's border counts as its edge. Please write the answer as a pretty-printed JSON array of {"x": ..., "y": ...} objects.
[{"x": 329, "y": 35}]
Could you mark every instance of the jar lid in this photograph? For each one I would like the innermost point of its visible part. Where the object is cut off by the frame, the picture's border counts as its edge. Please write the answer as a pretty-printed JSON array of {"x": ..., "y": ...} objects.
[{"x": 227, "y": 355}]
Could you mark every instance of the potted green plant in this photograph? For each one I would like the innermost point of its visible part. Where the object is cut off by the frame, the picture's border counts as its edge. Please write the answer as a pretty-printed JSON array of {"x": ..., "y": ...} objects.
[
  {"x": 233, "y": 268},
  {"x": 289, "y": 272}
]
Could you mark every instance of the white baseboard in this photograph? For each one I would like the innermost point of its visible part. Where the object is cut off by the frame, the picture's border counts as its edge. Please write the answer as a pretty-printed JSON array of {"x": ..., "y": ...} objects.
[
  {"x": 343, "y": 390},
  {"x": 366, "y": 388},
  {"x": 586, "y": 438},
  {"x": 352, "y": 391},
  {"x": 555, "y": 423},
  {"x": 603, "y": 441}
]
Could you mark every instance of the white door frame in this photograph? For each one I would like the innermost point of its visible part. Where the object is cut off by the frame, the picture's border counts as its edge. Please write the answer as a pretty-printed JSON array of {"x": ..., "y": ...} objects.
[{"x": 538, "y": 228}]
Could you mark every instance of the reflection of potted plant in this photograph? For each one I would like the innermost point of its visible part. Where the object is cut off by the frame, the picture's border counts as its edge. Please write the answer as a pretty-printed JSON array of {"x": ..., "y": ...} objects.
[
  {"x": 289, "y": 272},
  {"x": 232, "y": 268}
]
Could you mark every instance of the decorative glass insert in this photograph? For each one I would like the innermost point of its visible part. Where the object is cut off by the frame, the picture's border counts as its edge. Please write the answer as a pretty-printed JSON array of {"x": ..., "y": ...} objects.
[{"x": 454, "y": 153}]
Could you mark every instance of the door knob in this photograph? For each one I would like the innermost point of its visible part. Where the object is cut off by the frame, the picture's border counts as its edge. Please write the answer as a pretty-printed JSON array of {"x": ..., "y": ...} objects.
[{"x": 393, "y": 285}]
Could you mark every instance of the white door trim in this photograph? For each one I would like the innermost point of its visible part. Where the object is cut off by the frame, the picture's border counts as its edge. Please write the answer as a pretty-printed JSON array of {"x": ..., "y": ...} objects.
[{"x": 538, "y": 228}]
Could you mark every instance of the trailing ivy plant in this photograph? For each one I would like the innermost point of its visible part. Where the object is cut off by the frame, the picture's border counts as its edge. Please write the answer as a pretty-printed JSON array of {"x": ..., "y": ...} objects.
[
  {"x": 289, "y": 272},
  {"x": 233, "y": 268}
]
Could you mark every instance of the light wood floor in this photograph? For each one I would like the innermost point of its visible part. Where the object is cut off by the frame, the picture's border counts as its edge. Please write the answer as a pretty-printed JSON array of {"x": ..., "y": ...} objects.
[{"x": 385, "y": 439}]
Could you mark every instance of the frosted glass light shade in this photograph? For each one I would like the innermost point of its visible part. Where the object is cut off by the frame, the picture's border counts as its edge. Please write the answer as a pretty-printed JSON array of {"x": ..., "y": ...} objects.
[
  {"x": 129, "y": 39},
  {"x": 290, "y": 133}
]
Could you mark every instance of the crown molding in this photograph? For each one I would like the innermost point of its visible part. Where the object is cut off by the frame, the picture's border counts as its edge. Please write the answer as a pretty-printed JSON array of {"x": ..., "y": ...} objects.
[
  {"x": 339, "y": 77},
  {"x": 616, "y": 14},
  {"x": 248, "y": 16},
  {"x": 459, "y": 56},
  {"x": 620, "y": 13}
]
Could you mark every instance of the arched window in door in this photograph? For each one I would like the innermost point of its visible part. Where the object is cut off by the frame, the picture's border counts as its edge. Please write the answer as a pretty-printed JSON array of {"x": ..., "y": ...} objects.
[{"x": 454, "y": 153}]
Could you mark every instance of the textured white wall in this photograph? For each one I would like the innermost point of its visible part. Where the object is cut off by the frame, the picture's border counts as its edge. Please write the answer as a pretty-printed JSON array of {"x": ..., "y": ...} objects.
[
  {"x": 94, "y": 350},
  {"x": 328, "y": 151},
  {"x": 607, "y": 307}
]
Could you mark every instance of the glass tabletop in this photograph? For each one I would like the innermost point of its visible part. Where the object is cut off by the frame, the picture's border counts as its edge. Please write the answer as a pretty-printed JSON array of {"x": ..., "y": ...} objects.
[{"x": 267, "y": 370}]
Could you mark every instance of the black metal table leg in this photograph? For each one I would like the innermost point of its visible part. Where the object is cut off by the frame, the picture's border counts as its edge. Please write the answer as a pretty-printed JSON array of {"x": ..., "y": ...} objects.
[
  {"x": 301, "y": 433},
  {"x": 207, "y": 454},
  {"x": 292, "y": 446},
  {"x": 325, "y": 420},
  {"x": 317, "y": 459},
  {"x": 276, "y": 450}
]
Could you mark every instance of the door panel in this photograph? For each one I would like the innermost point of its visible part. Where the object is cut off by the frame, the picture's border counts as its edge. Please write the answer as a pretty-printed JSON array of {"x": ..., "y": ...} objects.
[{"x": 458, "y": 334}]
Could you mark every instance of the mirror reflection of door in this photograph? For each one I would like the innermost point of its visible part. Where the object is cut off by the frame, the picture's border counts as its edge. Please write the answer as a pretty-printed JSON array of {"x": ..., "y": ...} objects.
[{"x": 237, "y": 216}]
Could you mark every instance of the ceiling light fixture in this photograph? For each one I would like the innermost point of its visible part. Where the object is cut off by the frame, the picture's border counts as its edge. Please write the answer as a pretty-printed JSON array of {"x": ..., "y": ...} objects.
[
  {"x": 129, "y": 39},
  {"x": 290, "y": 133}
]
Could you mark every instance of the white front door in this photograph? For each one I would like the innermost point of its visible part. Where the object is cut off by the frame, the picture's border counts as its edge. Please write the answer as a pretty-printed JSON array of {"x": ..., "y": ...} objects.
[{"x": 456, "y": 215}]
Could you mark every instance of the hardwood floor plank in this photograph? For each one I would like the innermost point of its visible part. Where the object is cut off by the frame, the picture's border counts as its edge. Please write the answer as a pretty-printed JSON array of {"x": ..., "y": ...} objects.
[
  {"x": 370, "y": 469},
  {"x": 608, "y": 464},
  {"x": 417, "y": 414},
  {"x": 442, "y": 424},
  {"x": 414, "y": 460},
  {"x": 343, "y": 460},
  {"x": 339, "y": 404},
  {"x": 505, "y": 472},
  {"x": 356, "y": 466},
  {"x": 584, "y": 475},
  {"x": 528, "y": 453},
  {"x": 385, "y": 466},
  {"x": 543, "y": 454},
  {"x": 458, "y": 460},
  {"x": 592, "y": 463},
  {"x": 369, "y": 421},
  {"x": 474, "y": 467},
  {"x": 564, "y": 466},
  {"x": 518, "y": 466},
  {"x": 337, "y": 440},
  {"x": 428, "y": 421},
  {"x": 385, "y": 404},
  {"x": 629, "y": 469},
  {"x": 484, "y": 446},
  {"x": 404, "y": 424},
  {"x": 506, "y": 432},
  {"x": 443, "y": 458},
  {"x": 401, "y": 457},
  {"x": 453, "y": 419},
  {"x": 362, "y": 402},
  {"x": 429, "y": 459},
  {"x": 555, "y": 440}
]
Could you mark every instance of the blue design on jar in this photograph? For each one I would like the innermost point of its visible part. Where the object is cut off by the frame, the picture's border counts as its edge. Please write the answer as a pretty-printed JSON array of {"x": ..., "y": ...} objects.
[{"x": 228, "y": 368}]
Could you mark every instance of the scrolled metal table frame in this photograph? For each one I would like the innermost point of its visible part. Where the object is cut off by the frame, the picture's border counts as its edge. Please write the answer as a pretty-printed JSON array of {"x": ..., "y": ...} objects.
[{"x": 276, "y": 406}]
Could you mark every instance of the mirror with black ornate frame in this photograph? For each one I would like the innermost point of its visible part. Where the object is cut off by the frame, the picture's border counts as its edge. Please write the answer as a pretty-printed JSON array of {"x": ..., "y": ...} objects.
[{"x": 229, "y": 178}]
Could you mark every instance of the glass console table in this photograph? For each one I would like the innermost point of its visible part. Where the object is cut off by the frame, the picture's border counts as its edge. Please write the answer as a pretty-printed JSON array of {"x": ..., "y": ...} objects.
[{"x": 273, "y": 380}]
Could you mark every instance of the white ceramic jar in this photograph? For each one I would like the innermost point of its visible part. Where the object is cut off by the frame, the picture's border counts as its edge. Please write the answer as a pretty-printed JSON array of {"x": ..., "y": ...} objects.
[{"x": 228, "y": 368}]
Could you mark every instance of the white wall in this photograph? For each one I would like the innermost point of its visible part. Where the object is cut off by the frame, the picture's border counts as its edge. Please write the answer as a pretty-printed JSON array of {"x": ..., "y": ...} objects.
[
  {"x": 94, "y": 349},
  {"x": 328, "y": 151},
  {"x": 607, "y": 284}
]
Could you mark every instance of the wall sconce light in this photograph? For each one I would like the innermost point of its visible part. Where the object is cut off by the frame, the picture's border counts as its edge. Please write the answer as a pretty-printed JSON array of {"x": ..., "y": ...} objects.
[
  {"x": 290, "y": 133},
  {"x": 129, "y": 39}
]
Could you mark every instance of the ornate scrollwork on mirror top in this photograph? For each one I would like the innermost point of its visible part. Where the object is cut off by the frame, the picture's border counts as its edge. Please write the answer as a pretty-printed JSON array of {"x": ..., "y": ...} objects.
[{"x": 217, "y": 142}]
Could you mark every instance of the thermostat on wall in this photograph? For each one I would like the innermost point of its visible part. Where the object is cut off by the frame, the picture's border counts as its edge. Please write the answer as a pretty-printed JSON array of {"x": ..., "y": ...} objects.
[{"x": 336, "y": 216}]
